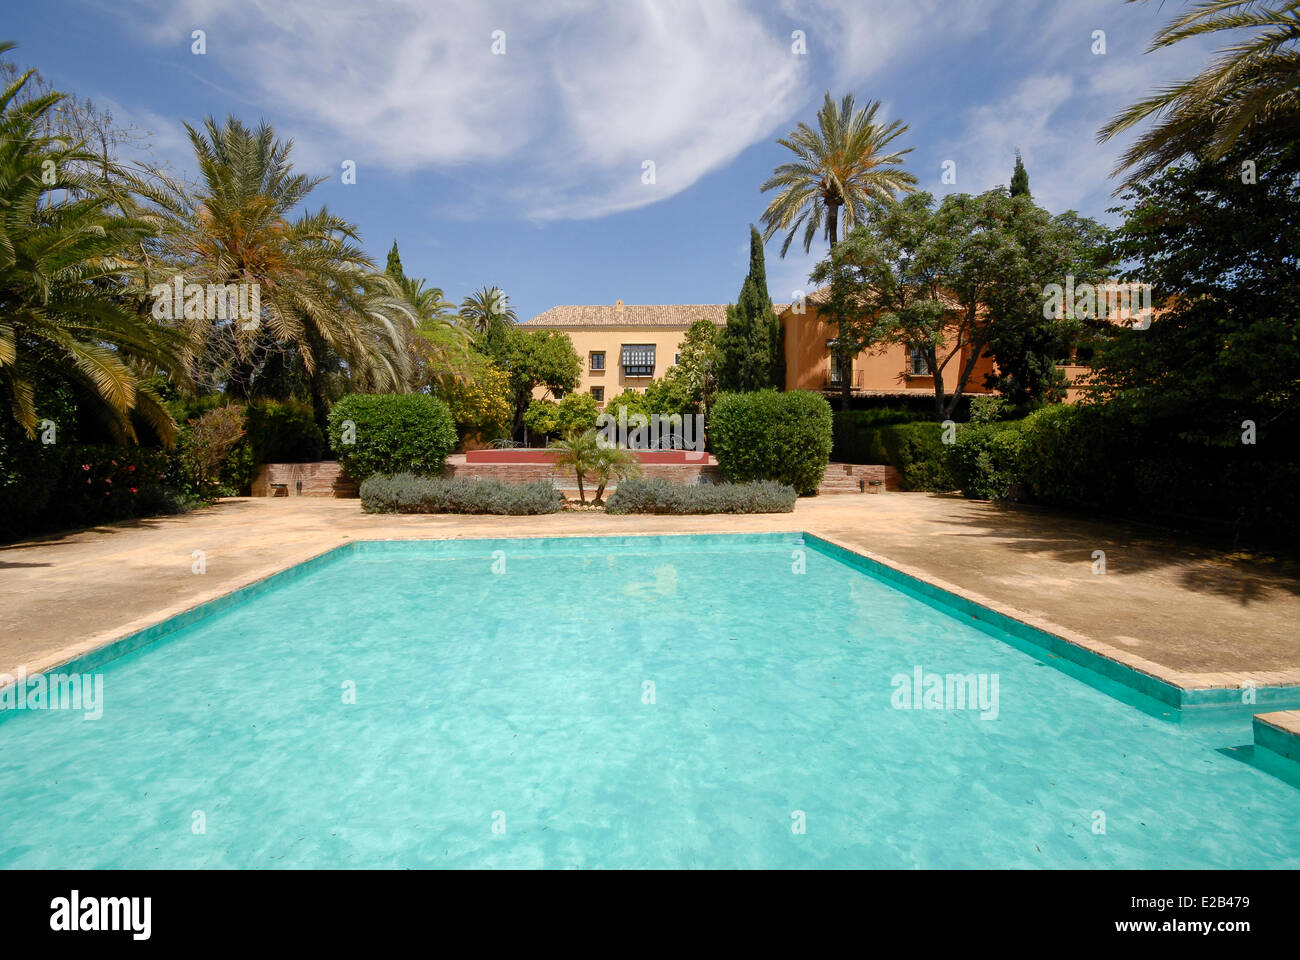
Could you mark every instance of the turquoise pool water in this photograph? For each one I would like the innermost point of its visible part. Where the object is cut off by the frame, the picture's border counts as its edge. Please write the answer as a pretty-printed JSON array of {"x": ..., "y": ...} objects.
[{"x": 503, "y": 718}]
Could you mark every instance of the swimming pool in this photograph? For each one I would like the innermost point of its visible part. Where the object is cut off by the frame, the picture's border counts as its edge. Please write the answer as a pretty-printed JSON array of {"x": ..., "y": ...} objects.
[{"x": 681, "y": 701}]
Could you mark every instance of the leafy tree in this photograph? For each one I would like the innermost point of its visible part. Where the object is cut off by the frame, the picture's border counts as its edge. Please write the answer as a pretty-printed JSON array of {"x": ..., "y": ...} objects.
[
  {"x": 536, "y": 358},
  {"x": 952, "y": 281},
  {"x": 1246, "y": 93},
  {"x": 480, "y": 401},
  {"x": 669, "y": 395},
  {"x": 1026, "y": 345},
  {"x": 1020, "y": 178},
  {"x": 692, "y": 381},
  {"x": 1223, "y": 257},
  {"x": 751, "y": 342},
  {"x": 631, "y": 401},
  {"x": 576, "y": 411},
  {"x": 840, "y": 166}
]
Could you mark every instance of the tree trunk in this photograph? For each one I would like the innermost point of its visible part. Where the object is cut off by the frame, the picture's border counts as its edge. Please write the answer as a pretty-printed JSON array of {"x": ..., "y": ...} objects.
[
  {"x": 833, "y": 223},
  {"x": 846, "y": 370},
  {"x": 938, "y": 386}
]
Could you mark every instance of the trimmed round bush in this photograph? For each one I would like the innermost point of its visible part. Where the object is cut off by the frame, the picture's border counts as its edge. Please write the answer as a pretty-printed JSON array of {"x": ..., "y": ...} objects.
[
  {"x": 391, "y": 433},
  {"x": 767, "y": 435}
]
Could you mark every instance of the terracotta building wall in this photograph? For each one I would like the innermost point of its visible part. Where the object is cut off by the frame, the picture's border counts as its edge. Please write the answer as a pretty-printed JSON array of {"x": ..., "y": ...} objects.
[{"x": 887, "y": 368}]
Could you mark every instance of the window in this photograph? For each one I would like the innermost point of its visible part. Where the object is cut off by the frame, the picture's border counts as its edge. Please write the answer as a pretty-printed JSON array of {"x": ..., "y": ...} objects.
[
  {"x": 598, "y": 393},
  {"x": 834, "y": 378},
  {"x": 917, "y": 365},
  {"x": 677, "y": 358},
  {"x": 639, "y": 359},
  {"x": 598, "y": 360},
  {"x": 558, "y": 393}
]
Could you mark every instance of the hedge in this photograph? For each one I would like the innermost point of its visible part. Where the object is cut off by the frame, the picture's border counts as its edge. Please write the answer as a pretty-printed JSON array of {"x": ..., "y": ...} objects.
[
  {"x": 767, "y": 435},
  {"x": 408, "y": 493},
  {"x": 657, "y": 495},
  {"x": 985, "y": 461},
  {"x": 391, "y": 433}
]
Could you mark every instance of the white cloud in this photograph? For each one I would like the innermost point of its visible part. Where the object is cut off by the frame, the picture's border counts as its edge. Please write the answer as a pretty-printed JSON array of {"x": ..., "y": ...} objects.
[{"x": 560, "y": 126}]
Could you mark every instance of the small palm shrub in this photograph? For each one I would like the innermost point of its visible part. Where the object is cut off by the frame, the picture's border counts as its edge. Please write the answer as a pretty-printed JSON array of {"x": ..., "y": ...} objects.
[
  {"x": 657, "y": 495},
  {"x": 579, "y": 451},
  {"x": 391, "y": 433},
  {"x": 408, "y": 493},
  {"x": 613, "y": 463}
]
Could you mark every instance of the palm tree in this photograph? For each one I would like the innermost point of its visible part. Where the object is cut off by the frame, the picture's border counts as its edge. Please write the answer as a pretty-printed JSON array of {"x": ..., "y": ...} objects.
[
  {"x": 321, "y": 296},
  {"x": 487, "y": 307},
  {"x": 613, "y": 463},
  {"x": 579, "y": 451},
  {"x": 67, "y": 257},
  {"x": 841, "y": 164},
  {"x": 441, "y": 344},
  {"x": 1252, "y": 87}
]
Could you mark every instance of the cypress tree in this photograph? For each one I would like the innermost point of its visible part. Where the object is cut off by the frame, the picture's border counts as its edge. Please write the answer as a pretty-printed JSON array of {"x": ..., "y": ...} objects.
[
  {"x": 1020, "y": 179},
  {"x": 751, "y": 343},
  {"x": 394, "y": 267}
]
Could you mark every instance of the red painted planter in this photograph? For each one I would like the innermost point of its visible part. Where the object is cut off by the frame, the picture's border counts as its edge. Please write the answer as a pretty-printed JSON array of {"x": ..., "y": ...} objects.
[{"x": 548, "y": 456}]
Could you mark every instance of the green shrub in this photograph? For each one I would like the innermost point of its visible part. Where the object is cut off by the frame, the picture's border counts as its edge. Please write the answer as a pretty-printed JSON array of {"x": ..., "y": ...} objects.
[
  {"x": 391, "y": 433},
  {"x": 101, "y": 484},
  {"x": 988, "y": 409},
  {"x": 918, "y": 452},
  {"x": 767, "y": 435},
  {"x": 657, "y": 495},
  {"x": 283, "y": 432},
  {"x": 856, "y": 436},
  {"x": 575, "y": 413},
  {"x": 408, "y": 493},
  {"x": 984, "y": 462}
]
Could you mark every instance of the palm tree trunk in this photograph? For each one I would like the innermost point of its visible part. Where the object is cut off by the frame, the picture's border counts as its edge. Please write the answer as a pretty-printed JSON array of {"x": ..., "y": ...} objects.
[{"x": 833, "y": 223}]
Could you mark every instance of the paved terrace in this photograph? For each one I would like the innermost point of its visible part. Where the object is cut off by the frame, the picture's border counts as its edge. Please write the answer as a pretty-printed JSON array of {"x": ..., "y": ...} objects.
[{"x": 1188, "y": 614}]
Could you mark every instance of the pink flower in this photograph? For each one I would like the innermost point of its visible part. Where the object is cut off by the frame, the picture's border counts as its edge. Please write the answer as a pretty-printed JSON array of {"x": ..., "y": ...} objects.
[
  {"x": 131, "y": 468},
  {"x": 108, "y": 479},
  {"x": 133, "y": 489},
  {"x": 85, "y": 466}
]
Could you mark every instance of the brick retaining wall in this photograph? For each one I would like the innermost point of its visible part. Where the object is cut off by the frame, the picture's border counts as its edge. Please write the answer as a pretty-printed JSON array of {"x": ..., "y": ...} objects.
[{"x": 324, "y": 479}]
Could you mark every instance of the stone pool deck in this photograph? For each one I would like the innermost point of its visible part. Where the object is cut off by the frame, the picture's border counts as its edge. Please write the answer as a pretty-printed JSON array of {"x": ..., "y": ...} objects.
[{"x": 1187, "y": 614}]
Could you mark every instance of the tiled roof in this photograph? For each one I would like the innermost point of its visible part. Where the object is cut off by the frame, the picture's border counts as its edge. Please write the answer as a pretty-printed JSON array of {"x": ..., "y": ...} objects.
[{"x": 630, "y": 315}]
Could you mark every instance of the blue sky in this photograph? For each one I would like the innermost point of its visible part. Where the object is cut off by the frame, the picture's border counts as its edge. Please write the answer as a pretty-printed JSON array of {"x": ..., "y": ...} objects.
[{"x": 524, "y": 169}]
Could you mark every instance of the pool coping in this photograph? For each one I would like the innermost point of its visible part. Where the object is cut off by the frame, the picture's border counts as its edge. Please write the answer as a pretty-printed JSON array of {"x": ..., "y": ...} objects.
[
  {"x": 1278, "y": 732},
  {"x": 1179, "y": 688},
  {"x": 1175, "y": 688}
]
